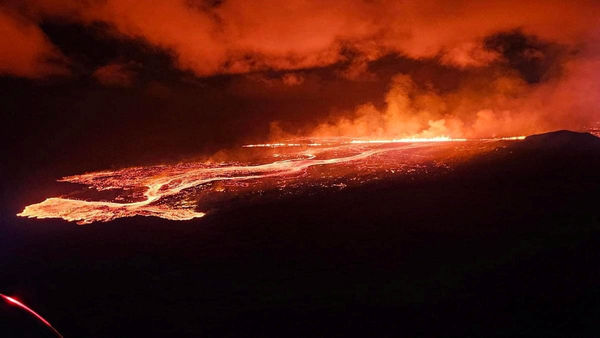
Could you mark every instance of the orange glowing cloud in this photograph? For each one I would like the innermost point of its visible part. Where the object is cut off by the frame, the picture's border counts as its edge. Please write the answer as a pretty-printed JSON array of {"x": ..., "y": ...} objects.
[
  {"x": 25, "y": 50},
  {"x": 501, "y": 105},
  {"x": 237, "y": 36}
]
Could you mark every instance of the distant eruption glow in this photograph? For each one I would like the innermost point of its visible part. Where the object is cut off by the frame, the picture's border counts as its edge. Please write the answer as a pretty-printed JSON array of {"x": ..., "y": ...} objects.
[{"x": 174, "y": 192}]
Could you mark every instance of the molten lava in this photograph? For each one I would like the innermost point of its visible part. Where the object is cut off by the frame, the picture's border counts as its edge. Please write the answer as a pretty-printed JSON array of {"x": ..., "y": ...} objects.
[{"x": 175, "y": 192}]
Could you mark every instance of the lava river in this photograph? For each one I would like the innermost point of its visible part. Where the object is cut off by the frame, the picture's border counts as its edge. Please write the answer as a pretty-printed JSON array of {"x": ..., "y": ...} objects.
[{"x": 187, "y": 190}]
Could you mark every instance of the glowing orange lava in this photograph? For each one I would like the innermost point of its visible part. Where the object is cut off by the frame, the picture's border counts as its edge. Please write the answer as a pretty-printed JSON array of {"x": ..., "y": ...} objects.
[
  {"x": 412, "y": 140},
  {"x": 175, "y": 192}
]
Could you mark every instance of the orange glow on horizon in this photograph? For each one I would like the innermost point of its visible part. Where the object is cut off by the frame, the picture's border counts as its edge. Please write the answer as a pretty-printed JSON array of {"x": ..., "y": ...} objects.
[
  {"x": 412, "y": 139},
  {"x": 382, "y": 141}
]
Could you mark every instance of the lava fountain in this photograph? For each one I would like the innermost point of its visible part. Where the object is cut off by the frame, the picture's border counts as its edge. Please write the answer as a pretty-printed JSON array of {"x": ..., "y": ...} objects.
[{"x": 177, "y": 191}]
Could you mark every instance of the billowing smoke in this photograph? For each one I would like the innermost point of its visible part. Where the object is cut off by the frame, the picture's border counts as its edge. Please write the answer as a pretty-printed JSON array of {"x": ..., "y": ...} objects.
[
  {"x": 528, "y": 65},
  {"x": 528, "y": 86}
]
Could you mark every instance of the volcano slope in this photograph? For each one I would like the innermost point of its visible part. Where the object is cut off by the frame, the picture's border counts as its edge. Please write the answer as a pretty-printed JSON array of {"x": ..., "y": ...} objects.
[{"x": 505, "y": 244}]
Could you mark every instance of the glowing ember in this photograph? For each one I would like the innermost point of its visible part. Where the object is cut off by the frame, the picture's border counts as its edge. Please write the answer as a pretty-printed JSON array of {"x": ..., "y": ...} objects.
[
  {"x": 13, "y": 301},
  {"x": 175, "y": 192}
]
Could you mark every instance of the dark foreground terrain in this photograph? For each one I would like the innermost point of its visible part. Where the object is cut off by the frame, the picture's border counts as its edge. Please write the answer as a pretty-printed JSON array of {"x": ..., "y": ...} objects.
[{"x": 507, "y": 244}]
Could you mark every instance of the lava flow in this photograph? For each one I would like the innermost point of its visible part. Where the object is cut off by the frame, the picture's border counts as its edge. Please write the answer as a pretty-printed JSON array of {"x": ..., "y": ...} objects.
[{"x": 175, "y": 192}]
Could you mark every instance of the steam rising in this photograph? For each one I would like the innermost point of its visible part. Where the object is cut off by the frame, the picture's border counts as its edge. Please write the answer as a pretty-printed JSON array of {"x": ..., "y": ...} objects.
[{"x": 502, "y": 104}]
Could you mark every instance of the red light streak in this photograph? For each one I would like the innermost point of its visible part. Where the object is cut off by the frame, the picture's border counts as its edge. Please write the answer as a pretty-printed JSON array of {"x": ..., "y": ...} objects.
[{"x": 15, "y": 302}]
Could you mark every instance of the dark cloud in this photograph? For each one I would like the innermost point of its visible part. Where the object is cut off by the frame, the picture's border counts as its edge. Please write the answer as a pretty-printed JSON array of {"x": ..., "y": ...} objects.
[
  {"x": 532, "y": 58},
  {"x": 116, "y": 74},
  {"x": 90, "y": 47}
]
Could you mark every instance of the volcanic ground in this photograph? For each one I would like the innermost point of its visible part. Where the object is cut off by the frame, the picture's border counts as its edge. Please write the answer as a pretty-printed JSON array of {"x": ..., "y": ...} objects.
[{"x": 468, "y": 238}]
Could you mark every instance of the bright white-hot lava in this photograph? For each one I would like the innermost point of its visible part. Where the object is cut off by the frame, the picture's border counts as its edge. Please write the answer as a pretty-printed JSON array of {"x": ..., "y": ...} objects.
[{"x": 177, "y": 191}]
